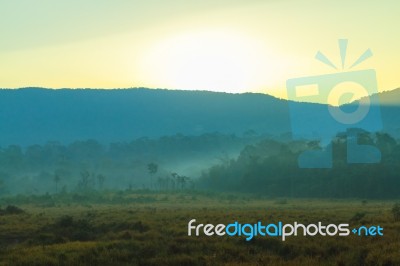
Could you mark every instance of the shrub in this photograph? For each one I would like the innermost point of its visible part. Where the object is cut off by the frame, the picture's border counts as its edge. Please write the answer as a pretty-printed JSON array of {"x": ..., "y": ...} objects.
[
  {"x": 358, "y": 216},
  {"x": 396, "y": 212},
  {"x": 11, "y": 209}
]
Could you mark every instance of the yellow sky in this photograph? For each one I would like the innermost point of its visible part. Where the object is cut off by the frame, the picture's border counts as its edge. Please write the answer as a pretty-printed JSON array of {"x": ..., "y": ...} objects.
[{"x": 232, "y": 46}]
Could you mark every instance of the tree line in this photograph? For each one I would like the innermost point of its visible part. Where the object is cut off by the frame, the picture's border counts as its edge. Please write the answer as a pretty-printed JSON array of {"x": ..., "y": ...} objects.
[
  {"x": 86, "y": 165},
  {"x": 271, "y": 168}
]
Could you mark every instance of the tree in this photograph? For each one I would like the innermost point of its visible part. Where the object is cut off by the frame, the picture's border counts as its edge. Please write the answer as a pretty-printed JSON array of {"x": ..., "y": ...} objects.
[
  {"x": 385, "y": 143},
  {"x": 183, "y": 181},
  {"x": 2, "y": 186},
  {"x": 152, "y": 168},
  {"x": 100, "y": 179},
  {"x": 179, "y": 180},
  {"x": 56, "y": 180},
  {"x": 85, "y": 180}
]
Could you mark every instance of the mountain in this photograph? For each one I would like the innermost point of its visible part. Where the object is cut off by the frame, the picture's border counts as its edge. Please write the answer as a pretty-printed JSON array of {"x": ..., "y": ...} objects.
[
  {"x": 36, "y": 115},
  {"x": 389, "y": 102},
  {"x": 390, "y": 97},
  {"x": 390, "y": 105}
]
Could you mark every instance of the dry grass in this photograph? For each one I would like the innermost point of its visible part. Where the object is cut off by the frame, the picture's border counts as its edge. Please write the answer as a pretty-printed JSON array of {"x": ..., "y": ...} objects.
[{"x": 153, "y": 231}]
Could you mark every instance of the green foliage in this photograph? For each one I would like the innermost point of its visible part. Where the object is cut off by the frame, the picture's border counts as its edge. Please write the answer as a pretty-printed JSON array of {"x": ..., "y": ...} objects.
[
  {"x": 152, "y": 168},
  {"x": 11, "y": 209},
  {"x": 271, "y": 168},
  {"x": 84, "y": 166}
]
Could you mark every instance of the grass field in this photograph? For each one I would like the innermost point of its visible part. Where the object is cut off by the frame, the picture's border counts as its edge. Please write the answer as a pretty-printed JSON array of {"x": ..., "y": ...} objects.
[{"x": 149, "y": 228}]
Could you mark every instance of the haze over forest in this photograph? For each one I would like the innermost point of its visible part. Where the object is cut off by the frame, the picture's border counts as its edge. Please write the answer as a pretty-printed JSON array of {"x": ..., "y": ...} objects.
[{"x": 86, "y": 140}]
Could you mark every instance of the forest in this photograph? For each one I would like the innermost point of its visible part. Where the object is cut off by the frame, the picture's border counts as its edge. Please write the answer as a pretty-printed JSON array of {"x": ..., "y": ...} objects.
[
  {"x": 84, "y": 166},
  {"x": 271, "y": 168},
  {"x": 252, "y": 163}
]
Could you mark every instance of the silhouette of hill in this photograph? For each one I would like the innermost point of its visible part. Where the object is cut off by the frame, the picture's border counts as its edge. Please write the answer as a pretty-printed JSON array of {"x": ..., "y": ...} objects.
[
  {"x": 391, "y": 97},
  {"x": 390, "y": 110},
  {"x": 36, "y": 115}
]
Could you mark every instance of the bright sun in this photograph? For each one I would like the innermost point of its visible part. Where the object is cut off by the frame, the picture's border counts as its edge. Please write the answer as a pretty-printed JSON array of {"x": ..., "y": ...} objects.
[{"x": 209, "y": 60}]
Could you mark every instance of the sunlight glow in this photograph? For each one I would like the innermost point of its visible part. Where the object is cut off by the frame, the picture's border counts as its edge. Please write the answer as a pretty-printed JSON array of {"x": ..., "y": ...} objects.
[{"x": 217, "y": 60}]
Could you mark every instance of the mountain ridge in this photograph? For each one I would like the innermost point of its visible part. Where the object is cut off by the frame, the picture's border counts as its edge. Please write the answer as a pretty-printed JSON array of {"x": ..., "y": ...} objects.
[{"x": 35, "y": 115}]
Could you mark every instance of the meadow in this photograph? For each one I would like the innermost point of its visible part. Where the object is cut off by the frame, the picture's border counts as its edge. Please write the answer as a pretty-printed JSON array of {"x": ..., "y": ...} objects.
[{"x": 143, "y": 227}]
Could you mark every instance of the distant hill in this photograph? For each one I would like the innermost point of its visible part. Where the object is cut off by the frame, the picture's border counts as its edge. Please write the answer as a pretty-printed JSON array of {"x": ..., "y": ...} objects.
[
  {"x": 390, "y": 97},
  {"x": 35, "y": 115},
  {"x": 390, "y": 105},
  {"x": 390, "y": 110}
]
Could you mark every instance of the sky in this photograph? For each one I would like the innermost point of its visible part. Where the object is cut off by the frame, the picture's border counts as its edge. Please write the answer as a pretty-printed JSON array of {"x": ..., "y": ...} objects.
[{"x": 228, "y": 45}]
